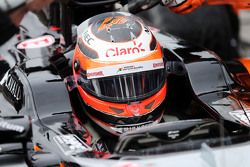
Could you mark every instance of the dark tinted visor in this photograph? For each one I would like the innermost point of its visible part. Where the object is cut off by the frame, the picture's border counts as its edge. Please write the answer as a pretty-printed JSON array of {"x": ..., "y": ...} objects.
[{"x": 124, "y": 88}]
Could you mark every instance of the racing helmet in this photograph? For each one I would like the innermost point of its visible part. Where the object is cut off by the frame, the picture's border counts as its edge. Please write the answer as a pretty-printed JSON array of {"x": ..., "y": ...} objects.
[{"x": 120, "y": 73}]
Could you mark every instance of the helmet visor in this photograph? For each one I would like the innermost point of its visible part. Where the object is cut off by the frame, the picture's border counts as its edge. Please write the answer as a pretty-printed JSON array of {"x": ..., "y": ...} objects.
[{"x": 124, "y": 88}]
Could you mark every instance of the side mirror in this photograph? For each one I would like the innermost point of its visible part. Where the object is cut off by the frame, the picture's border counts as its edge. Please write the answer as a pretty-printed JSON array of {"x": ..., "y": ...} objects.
[
  {"x": 175, "y": 68},
  {"x": 62, "y": 63}
]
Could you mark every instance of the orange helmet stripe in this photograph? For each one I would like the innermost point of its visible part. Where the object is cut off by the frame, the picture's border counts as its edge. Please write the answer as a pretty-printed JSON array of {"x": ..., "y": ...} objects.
[{"x": 105, "y": 107}]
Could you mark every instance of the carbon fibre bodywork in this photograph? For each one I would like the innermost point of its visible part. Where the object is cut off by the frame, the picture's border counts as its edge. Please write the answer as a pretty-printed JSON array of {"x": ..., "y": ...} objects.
[{"x": 200, "y": 86}]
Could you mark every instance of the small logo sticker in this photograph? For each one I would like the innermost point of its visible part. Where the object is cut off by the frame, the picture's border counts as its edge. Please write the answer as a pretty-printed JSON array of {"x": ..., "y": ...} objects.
[
  {"x": 95, "y": 74},
  {"x": 129, "y": 68},
  {"x": 110, "y": 21},
  {"x": 173, "y": 134},
  {"x": 70, "y": 144}
]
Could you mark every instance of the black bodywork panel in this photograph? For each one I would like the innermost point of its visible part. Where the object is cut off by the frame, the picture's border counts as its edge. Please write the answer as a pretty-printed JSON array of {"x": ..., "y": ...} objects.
[{"x": 195, "y": 76}]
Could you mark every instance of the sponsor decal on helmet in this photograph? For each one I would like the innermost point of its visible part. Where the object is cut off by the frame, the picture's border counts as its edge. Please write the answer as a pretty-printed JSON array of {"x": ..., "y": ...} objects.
[
  {"x": 127, "y": 68},
  {"x": 95, "y": 74},
  {"x": 117, "y": 51},
  {"x": 40, "y": 42},
  {"x": 110, "y": 21},
  {"x": 157, "y": 65},
  {"x": 87, "y": 38},
  {"x": 70, "y": 144}
]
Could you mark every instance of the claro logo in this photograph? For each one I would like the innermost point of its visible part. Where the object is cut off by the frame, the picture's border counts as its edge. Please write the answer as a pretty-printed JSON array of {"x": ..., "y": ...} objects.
[{"x": 112, "y": 52}]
